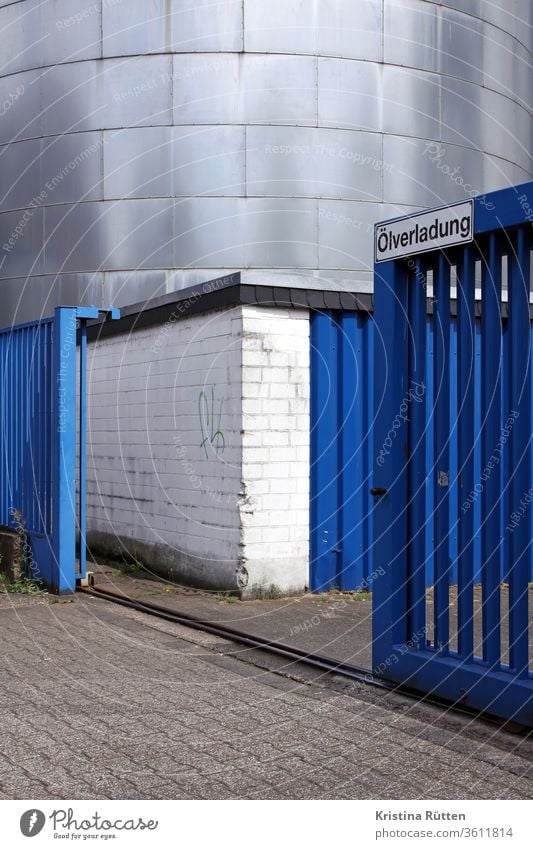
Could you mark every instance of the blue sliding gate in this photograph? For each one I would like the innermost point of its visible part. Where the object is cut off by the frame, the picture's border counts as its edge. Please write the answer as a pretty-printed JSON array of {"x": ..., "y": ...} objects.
[
  {"x": 342, "y": 453},
  {"x": 469, "y": 644},
  {"x": 41, "y": 404}
]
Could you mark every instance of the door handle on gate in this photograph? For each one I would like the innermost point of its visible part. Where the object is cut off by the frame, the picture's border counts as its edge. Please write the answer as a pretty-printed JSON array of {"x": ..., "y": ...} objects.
[{"x": 378, "y": 490}]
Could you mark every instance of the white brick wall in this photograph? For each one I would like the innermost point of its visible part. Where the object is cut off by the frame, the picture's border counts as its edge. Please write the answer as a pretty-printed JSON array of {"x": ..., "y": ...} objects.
[
  {"x": 198, "y": 448},
  {"x": 275, "y": 447}
]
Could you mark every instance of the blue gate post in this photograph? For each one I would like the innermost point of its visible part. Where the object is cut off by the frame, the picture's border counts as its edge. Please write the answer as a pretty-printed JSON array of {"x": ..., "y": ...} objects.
[
  {"x": 83, "y": 315},
  {"x": 64, "y": 452},
  {"x": 82, "y": 571},
  {"x": 66, "y": 515},
  {"x": 38, "y": 456}
]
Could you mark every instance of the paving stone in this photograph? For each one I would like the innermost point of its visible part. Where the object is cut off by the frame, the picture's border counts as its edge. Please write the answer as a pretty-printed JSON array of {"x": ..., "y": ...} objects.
[{"x": 126, "y": 710}]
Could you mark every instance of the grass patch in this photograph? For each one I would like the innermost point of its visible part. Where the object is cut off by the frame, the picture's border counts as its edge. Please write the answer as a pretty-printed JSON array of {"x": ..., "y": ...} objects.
[
  {"x": 227, "y": 597},
  {"x": 128, "y": 567},
  {"x": 21, "y": 585},
  {"x": 133, "y": 567},
  {"x": 269, "y": 593}
]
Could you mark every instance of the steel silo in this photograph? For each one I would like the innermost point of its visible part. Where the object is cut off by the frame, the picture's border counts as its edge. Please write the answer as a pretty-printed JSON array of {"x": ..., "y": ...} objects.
[{"x": 151, "y": 144}]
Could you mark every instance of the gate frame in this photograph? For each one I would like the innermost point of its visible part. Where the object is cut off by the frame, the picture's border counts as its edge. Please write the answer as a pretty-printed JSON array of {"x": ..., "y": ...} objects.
[
  {"x": 479, "y": 683},
  {"x": 53, "y": 552}
]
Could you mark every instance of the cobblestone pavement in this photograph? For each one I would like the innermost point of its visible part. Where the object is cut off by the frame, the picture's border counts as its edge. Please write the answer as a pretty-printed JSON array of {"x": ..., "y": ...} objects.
[{"x": 101, "y": 702}]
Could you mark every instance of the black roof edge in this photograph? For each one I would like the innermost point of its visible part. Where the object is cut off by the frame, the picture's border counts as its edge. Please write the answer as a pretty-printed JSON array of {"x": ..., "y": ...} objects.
[
  {"x": 223, "y": 293},
  {"x": 228, "y": 291}
]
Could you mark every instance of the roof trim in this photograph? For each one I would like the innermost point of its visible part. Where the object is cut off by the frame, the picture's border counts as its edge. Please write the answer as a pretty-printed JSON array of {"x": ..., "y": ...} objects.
[
  {"x": 227, "y": 292},
  {"x": 224, "y": 293}
]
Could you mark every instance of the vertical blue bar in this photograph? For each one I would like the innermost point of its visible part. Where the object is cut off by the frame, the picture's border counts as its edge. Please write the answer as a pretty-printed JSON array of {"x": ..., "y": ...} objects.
[
  {"x": 416, "y": 395},
  {"x": 505, "y": 465},
  {"x": 466, "y": 363},
  {"x": 477, "y": 455},
  {"x": 367, "y": 326},
  {"x": 389, "y": 613},
  {"x": 430, "y": 394},
  {"x": 44, "y": 451},
  {"x": 26, "y": 461},
  {"x": 441, "y": 469},
  {"x": 16, "y": 423},
  {"x": 50, "y": 404},
  {"x": 491, "y": 341},
  {"x": 83, "y": 448},
  {"x": 9, "y": 407},
  {"x": 351, "y": 461},
  {"x": 42, "y": 343},
  {"x": 520, "y": 451},
  {"x": 64, "y": 451},
  {"x": 324, "y": 453},
  {"x": 3, "y": 504},
  {"x": 367, "y": 329},
  {"x": 530, "y": 512},
  {"x": 454, "y": 483}
]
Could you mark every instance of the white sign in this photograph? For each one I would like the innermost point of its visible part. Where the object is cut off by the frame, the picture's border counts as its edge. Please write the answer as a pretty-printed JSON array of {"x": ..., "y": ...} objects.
[{"x": 425, "y": 231}]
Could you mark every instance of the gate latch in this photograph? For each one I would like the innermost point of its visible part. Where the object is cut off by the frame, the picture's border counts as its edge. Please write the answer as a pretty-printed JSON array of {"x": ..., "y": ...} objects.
[{"x": 376, "y": 491}]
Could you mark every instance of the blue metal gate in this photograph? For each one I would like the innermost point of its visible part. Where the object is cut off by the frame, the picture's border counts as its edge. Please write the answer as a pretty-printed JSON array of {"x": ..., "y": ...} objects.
[
  {"x": 439, "y": 643},
  {"x": 40, "y": 406},
  {"x": 342, "y": 449}
]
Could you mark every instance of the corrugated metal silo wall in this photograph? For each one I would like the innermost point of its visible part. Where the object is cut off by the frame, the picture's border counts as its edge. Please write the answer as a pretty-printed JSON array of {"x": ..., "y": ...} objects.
[
  {"x": 343, "y": 452},
  {"x": 149, "y": 146}
]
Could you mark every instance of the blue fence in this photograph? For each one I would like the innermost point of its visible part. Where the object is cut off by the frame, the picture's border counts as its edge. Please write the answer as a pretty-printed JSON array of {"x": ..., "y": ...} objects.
[
  {"x": 40, "y": 409},
  {"x": 467, "y": 645},
  {"x": 343, "y": 451}
]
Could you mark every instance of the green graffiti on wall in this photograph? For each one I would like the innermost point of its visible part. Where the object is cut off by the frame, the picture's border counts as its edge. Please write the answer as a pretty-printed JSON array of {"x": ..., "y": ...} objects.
[{"x": 210, "y": 423}]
